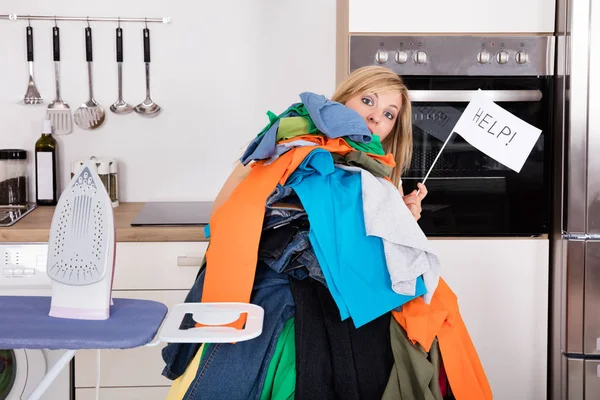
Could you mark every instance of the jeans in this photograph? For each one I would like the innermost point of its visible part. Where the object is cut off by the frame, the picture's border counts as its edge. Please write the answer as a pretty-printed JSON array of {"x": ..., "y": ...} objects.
[
  {"x": 278, "y": 215},
  {"x": 236, "y": 371},
  {"x": 287, "y": 249}
]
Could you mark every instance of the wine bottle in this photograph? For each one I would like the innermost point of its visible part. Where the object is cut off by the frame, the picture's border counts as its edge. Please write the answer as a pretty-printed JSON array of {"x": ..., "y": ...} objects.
[{"x": 45, "y": 167}]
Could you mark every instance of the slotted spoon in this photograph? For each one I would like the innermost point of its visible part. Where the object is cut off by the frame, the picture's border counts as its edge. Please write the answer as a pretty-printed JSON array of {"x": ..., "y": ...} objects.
[
  {"x": 58, "y": 111},
  {"x": 90, "y": 115}
]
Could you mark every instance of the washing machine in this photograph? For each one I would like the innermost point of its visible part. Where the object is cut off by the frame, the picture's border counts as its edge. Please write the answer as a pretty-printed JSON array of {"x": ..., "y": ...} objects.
[{"x": 23, "y": 273}]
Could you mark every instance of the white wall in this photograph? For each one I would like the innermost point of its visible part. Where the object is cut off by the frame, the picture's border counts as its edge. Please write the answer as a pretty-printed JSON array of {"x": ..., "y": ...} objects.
[
  {"x": 215, "y": 71},
  {"x": 458, "y": 16}
]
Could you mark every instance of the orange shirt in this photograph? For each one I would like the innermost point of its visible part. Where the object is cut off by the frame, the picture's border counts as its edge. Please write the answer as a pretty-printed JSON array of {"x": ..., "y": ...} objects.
[
  {"x": 236, "y": 226},
  {"x": 423, "y": 322}
]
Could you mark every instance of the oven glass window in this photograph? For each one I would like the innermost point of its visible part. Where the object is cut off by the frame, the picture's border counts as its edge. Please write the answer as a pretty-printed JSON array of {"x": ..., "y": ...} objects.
[{"x": 469, "y": 192}]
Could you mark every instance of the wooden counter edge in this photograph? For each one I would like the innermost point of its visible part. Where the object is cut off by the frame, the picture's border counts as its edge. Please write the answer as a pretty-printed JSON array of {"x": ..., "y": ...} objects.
[{"x": 35, "y": 228}]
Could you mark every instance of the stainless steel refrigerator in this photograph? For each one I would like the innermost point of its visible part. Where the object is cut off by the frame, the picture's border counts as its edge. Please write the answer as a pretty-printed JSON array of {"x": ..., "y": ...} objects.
[{"x": 575, "y": 293}]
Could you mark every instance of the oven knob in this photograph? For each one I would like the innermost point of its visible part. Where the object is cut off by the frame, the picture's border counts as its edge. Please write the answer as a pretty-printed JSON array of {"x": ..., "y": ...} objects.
[
  {"x": 420, "y": 57},
  {"x": 401, "y": 57},
  {"x": 522, "y": 57},
  {"x": 381, "y": 57},
  {"x": 502, "y": 57},
  {"x": 483, "y": 57}
]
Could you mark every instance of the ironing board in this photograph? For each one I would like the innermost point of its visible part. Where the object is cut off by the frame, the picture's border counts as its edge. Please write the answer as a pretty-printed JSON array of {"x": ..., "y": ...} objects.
[
  {"x": 26, "y": 325},
  {"x": 132, "y": 323}
]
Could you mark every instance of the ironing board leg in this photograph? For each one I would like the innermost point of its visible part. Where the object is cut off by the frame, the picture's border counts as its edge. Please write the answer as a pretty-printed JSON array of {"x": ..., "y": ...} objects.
[{"x": 51, "y": 375}]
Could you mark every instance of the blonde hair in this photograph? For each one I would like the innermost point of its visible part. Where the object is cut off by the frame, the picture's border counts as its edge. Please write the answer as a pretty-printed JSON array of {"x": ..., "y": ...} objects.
[{"x": 375, "y": 79}]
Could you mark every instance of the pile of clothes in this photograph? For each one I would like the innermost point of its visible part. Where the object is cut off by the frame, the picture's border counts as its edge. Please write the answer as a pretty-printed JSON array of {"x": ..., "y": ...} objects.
[{"x": 354, "y": 305}]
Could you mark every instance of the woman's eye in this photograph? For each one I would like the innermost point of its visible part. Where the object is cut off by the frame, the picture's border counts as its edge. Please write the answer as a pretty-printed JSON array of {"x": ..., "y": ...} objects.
[
  {"x": 367, "y": 101},
  {"x": 389, "y": 115}
]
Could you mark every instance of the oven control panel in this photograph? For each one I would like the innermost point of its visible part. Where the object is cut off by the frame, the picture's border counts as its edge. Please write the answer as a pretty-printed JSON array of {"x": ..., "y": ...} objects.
[{"x": 455, "y": 55}]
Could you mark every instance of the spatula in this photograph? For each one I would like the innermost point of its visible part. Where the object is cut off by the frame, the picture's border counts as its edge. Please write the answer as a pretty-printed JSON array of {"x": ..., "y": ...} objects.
[
  {"x": 90, "y": 115},
  {"x": 58, "y": 111}
]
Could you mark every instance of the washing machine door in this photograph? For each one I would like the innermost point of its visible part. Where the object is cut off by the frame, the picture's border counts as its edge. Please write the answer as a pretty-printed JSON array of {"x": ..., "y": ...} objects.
[{"x": 20, "y": 372}]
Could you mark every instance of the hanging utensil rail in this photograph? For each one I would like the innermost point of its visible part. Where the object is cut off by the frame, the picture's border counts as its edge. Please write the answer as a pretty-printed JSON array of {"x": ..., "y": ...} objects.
[{"x": 14, "y": 17}]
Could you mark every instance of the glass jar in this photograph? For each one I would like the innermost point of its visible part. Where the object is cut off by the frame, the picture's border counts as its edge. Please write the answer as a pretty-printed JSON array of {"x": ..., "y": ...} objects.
[{"x": 13, "y": 177}]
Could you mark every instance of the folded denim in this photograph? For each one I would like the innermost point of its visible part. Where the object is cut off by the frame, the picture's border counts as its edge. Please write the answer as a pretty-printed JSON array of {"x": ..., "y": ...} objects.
[{"x": 242, "y": 365}]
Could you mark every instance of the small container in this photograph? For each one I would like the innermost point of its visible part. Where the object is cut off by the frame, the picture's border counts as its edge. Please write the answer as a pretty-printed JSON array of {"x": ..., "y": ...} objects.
[
  {"x": 13, "y": 177},
  {"x": 114, "y": 182}
]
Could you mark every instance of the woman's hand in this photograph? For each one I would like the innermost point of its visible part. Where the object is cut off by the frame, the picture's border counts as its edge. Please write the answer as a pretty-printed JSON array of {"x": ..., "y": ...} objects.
[{"x": 413, "y": 200}]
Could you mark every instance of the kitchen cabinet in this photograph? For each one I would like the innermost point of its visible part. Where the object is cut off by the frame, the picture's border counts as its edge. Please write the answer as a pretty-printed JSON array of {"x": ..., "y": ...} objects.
[
  {"x": 137, "y": 367},
  {"x": 160, "y": 271},
  {"x": 502, "y": 289},
  {"x": 460, "y": 16},
  {"x": 147, "y": 393}
]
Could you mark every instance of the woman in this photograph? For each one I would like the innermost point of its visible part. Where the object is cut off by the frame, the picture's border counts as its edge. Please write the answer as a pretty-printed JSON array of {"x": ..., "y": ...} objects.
[{"x": 379, "y": 96}]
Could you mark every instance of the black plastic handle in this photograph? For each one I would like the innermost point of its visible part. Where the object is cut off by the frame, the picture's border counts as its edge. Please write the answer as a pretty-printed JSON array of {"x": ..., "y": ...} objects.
[
  {"x": 29, "y": 31},
  {"x": 88, "y": 44},
  {"x": 146, "y": 45},
  {"x": 56, "y": 43},
  {"x": 119, "y": 45}
]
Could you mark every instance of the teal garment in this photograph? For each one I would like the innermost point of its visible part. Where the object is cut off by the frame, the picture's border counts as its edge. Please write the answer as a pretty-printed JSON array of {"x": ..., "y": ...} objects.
[
  {"x": 353, "y": 263},
  {"x": 299, "y": 109},
  {"x": 373, "y": 147}
]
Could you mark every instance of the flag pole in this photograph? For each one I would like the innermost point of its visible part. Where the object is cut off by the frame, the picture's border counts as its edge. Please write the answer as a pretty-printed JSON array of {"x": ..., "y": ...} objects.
[{"x": 436, "y": 158}]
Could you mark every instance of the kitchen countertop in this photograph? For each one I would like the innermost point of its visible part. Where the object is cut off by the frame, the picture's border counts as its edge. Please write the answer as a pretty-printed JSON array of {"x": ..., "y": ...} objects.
[{"x": 35, "y": 227}]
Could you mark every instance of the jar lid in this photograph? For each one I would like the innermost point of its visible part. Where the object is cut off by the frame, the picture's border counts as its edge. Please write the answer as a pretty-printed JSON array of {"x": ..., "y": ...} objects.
[
  {"x": 103, "y": 167},
  {"x": 113, "y": 165},
  {"x": 13, "y": 154}
]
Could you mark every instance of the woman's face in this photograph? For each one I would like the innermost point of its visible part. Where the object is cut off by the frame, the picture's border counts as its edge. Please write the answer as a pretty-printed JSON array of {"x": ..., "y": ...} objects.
[{"x": 379, "y": 110}]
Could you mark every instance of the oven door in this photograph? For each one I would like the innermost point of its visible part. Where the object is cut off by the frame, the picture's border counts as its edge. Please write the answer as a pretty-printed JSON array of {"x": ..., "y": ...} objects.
[{"x": 471, "y": 194}]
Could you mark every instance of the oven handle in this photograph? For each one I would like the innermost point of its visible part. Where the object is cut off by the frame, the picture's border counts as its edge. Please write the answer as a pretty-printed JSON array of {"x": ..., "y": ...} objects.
[{"x": 465, "y": 96}]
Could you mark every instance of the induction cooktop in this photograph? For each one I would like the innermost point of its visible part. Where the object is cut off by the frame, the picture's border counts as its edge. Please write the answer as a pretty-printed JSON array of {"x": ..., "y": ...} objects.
[{"x": 174, "y": 213}]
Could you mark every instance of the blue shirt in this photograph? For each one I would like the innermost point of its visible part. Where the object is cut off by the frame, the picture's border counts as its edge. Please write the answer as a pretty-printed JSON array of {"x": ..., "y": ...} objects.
[
  {"x": 353, "y": 263},
  {"x": 331, "y": 118}
]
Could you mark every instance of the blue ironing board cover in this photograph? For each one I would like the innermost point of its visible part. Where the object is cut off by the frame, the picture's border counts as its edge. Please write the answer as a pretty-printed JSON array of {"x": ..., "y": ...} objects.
[{"x": 25, "y": 324}]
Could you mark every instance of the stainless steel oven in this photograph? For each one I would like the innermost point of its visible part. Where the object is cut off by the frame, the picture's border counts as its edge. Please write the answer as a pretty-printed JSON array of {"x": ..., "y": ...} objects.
[{"x": 470, "y": 194}]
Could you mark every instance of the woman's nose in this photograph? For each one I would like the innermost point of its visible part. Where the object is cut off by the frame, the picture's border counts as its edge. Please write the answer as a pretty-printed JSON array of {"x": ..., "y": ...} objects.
[{"x": 373, "y": 118}]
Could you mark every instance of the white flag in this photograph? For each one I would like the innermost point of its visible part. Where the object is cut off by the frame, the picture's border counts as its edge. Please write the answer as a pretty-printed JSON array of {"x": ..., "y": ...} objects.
[{"x": 496, "y": 132}]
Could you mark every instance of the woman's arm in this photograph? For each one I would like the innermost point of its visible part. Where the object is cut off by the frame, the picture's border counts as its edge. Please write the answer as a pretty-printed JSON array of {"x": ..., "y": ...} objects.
[{"x": 237, "y": 175}]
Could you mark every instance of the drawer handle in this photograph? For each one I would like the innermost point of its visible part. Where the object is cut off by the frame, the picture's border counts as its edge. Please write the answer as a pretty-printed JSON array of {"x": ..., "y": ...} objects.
[{"x": 185, "y": 261}]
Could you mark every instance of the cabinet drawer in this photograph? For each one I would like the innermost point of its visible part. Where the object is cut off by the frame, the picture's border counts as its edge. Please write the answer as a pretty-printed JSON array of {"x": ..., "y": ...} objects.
[
  {"x": 133, "y": 393},
  {"x": 141, "y": 366},
  {"x": 157, "y": 265}
]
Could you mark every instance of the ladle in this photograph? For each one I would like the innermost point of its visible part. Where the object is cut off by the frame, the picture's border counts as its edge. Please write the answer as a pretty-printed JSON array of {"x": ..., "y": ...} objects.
[
  {"x": 147, "y": 108},
  {"x": 120, "y": 106}
]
